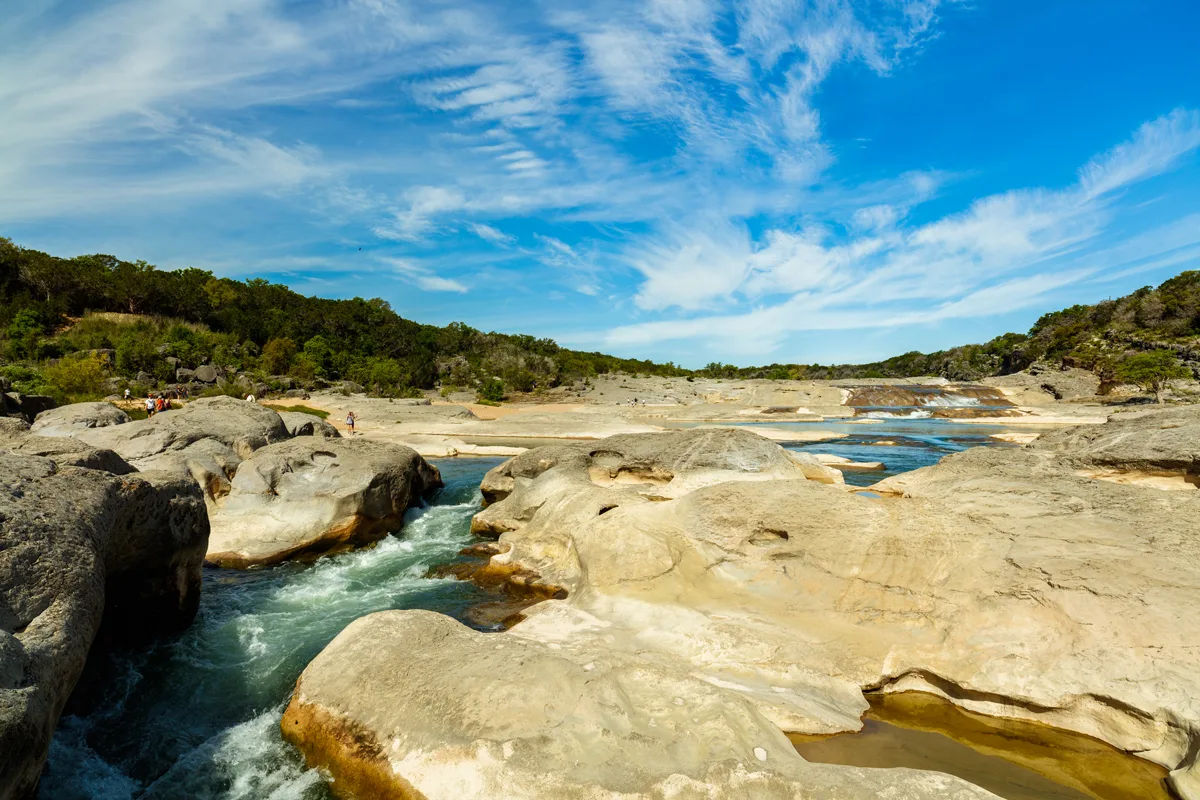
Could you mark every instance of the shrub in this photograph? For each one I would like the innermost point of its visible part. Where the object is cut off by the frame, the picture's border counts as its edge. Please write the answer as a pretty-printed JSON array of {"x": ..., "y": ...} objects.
[
  {"x": 1152, "y": 371},
  {"x": 491, "y": 390},
  {"x": 76, "y": 379}
]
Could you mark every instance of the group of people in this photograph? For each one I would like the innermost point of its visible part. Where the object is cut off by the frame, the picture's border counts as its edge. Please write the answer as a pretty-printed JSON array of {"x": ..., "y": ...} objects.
[{"x": 155, "y": 404}]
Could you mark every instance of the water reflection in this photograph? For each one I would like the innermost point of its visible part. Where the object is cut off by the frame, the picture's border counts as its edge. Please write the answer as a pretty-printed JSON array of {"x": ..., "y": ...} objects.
[{"x": 1014, "y": 759}]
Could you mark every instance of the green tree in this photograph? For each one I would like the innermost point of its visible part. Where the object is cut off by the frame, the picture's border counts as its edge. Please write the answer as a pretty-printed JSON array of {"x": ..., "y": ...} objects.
[
  {"x": 318, "y": 353},
  {"x": 277, "y": 355},
  {"x": 24, "y": 333},
  {"x": 1152, "y": 371}
]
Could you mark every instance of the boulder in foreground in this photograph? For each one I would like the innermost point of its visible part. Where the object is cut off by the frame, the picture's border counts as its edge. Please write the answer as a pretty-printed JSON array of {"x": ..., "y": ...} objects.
[
  {"x": 78, "y": 546},
  {"x": 310, "y": 495},
  {"x": 411, "y": 704}
]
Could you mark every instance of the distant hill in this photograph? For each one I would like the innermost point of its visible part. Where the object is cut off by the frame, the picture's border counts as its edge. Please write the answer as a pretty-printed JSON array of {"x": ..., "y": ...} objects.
[
  {"x": 192, "y": 318},
  {"x": 1093, "y": 337},
  {"x": 143, "y": 324}
]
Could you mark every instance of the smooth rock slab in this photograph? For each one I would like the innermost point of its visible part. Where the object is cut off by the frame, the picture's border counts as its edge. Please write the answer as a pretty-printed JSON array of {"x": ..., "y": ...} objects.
[
  {"x": 411, "y": 704},
  {"x": 311, "y": 494},
  {"x": 1000, "y": 578},
  {"x": 70, "y": 419}
]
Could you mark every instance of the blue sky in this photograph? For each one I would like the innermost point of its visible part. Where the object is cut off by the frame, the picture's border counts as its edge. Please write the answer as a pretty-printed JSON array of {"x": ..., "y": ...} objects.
[{"x": 767, "y": 180}]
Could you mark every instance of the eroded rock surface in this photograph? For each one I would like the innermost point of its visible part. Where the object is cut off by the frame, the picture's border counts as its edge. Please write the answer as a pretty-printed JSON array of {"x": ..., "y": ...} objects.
[
  {"x": 205, "y": 439},
  {"x": 78, "y": 546},
  {"x": 411, "y": 704},
  {"x": 68, "y": 420},
  {"x": 312, "y": 494},
  {"x": 1163, "y": 441},
  {"x": 300, "y": 424},
  {"x": 1005, "y": 580}
]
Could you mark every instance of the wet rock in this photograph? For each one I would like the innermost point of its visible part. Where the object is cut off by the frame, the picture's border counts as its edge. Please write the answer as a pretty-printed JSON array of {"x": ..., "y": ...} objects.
[
  {"x": 311, "y": 495},
  {"x": 66, "y": 420},
  {"x": 78, "y": 546}
]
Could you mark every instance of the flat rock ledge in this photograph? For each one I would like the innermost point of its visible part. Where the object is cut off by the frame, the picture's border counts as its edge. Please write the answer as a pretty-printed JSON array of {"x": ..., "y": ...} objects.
[
  {"x": 411, "y": 704},
  {"x": 712, "y": 596},
  {"x": 311, "y": 495}
]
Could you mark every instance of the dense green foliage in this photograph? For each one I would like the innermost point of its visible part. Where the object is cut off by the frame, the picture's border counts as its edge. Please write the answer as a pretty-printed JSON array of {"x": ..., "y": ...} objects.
[{"x": 147, "y": 315}]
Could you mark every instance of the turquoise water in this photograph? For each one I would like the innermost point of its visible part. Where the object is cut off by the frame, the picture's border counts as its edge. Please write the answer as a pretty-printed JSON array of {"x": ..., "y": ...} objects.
[
  {"x": 918, "y": 443},
  {"x": 197, "y": 716}
]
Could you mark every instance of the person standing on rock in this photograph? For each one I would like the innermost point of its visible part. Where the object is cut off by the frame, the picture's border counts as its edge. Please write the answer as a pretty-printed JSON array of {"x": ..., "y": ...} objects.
[{"x": 350, "y": 418}]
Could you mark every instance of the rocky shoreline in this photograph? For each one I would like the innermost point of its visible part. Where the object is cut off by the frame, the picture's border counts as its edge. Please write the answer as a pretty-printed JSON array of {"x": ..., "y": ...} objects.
[
  {"x": 686, "y": 597},
  {"x": 713, "y": 592}
]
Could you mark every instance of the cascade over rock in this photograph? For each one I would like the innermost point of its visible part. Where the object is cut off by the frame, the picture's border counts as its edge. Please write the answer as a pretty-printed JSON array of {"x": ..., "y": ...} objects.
[{"x": 78, "y": 546}]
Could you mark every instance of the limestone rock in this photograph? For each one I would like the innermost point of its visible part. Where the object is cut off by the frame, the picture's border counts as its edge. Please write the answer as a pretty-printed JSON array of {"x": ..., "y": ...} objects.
[
  {"x": 300, "y": 424},
  {"x": 11, "y": 427},
  {"x": 25, "y": 406},
  {"x": 66, "y": 451},
  {"x": 1001, "y": 578},
  {"x": 1159, "y": 439},
  {"x": 310, "y": 495},
  {"x": 67, "y": 420},
  {"x": 78, "y": 546},
  {"x": 206, "y": 373},
  {"x": 205, "y": 439},
  {"x": 413, "y": 704}
]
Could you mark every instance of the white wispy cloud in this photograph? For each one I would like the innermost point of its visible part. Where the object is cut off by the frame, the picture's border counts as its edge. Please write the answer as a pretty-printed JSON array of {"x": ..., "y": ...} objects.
[
  {"x": 421, "y": 276},
  {"x": 965, "y": 264}
]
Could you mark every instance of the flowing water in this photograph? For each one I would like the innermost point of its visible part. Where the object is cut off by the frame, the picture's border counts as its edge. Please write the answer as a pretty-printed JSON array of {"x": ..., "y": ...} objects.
[{"x": 197, "y": 716}]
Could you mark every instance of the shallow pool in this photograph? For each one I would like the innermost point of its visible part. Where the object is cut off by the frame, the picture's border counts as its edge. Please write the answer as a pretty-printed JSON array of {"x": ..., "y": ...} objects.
[{"x": 1014, "y": 759}]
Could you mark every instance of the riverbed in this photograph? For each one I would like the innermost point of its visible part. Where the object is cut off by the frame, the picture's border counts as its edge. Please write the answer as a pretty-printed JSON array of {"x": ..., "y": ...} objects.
[{"x": 197, "y": 716}]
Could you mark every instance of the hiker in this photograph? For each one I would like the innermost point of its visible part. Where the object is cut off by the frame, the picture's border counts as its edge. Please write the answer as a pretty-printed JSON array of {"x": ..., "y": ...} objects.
[
  {"x": 350, "y": 421},
  {"x": 249, "y": 398},
  {"x": 160, "y": 404},
  {"x": 149, "y": 405},
  {"x": 127, "y": 394}
]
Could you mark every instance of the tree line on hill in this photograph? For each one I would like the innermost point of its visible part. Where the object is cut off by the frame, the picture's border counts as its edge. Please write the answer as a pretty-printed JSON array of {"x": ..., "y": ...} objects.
[
  {"x": 194, "y": 317},
  {"x": 57, "y": 313},
  {"x": 1112, "y": 339}
]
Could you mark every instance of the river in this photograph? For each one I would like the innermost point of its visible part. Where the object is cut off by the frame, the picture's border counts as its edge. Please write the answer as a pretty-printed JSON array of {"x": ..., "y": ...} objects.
[{"x": 197, "y": 716}]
